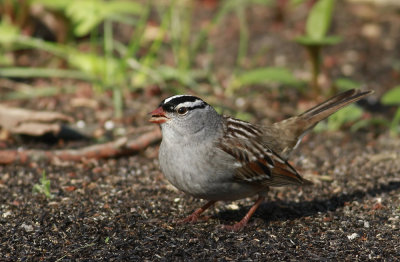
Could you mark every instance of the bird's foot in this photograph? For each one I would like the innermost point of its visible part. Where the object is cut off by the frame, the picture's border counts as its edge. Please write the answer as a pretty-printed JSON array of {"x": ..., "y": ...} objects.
[
  {"x": 236, "y": 227},
  {"x": 193, "y": 218}
]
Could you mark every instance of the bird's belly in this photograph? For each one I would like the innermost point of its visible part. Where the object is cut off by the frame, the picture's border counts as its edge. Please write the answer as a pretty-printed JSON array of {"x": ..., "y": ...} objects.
[{"x": 204, "y": 179}]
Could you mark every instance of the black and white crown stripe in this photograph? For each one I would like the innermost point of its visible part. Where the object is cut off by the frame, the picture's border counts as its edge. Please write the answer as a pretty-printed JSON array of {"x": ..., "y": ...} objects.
[
  {"x": 191, "y": 102},
  {"x": 169, "y": 99}
]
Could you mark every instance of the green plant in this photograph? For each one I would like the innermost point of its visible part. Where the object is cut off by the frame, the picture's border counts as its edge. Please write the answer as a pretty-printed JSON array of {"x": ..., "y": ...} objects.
[
  {"x": 238, "y": 7},
  {"x": 104, "y": 70},
  {"x": 344, "y": 84},
  {"x": 265, "y": 75},
  {"x": 392, "y": 98},
  {"x": 110, "y": 64},
  {"x": 15, "y": 12},
  {"x": 350, "y": 113},
  {"x": 43, "y": 187},
  {"x": 317, "y": 25}
]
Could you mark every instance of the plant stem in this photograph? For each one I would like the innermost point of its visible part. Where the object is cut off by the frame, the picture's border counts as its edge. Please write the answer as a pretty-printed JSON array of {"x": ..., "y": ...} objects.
[
  {"x": 243, "y": 34},
  {"x": 30, "y": 72},
  {"x": 394, "y": 127},
  {"x": 315, "y": 59}
]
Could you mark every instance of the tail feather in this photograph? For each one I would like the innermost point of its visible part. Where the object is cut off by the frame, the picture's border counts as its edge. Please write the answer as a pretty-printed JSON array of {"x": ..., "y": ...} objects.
[
  {"x": 330, "y": 106},
  {"x": 291, "y": 131}
]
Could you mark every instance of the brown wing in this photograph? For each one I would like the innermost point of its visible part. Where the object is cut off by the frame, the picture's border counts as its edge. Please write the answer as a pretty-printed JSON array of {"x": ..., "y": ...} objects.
[{"x": 258, "y": 163}]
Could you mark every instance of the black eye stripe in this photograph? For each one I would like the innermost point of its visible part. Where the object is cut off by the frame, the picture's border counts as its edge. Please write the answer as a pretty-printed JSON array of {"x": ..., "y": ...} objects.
[
  {"x": 168, "y": 107},
  {"x": 199, "y": 106}
]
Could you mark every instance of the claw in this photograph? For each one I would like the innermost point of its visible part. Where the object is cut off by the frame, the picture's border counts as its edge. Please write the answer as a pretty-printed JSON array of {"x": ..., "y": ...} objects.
[
  {"x": 240, "y": 225},
  {"x": 236, "y": 227},
  {"x": 195, "y": 216}
]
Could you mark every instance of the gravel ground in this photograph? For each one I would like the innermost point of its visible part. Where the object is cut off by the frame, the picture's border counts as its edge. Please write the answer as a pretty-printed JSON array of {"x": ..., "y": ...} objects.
[{"x": 124, "y": 209}]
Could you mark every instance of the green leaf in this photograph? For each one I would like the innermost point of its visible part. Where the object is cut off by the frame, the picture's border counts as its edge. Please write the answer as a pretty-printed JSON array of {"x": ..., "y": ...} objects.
[
  {"x": 394, "y": 126},
  {"x": 29, "y": 93},
  {"x": 348, "y": 114},
  {"x": 391, "y": 97},
  {"x": 346, "y": 84},
  {"x": 86, "y": 14},
  {"x": 369, "y": 122},
  {"x": 94, "y": 65},
  {"x": 267, "y": 75},
  {"x": 5, "y": 60},
  {"x": 296, "y": 2},
  {"x": 8, "y": 32},
  {"x": 327, "y": 40},
  {"x": 244, "y": 116},
  {"x": 319, "y": 19},
  {"x": 30, "y": 72},
  {"x": 261, "y": 2},
  {"x": 170, "y": 73},
  {"x": 43, "y": 187},
  {"x": 53, "y": 4}
]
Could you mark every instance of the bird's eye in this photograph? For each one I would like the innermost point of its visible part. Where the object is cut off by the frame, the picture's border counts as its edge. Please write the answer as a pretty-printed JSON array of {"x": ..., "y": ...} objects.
[{"x": 182, "y": 110}]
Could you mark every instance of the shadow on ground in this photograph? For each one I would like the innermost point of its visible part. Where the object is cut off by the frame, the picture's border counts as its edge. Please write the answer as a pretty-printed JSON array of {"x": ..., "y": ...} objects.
[{"x": 290, "y": 210}]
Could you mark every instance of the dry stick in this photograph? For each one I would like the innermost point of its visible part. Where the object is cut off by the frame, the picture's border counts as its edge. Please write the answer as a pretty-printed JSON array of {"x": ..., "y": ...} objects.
[{"x": 121, "y": 146}]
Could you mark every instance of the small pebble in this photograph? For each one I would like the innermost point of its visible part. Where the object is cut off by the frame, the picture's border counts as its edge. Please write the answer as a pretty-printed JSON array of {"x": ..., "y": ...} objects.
[
  {"x": 7, "y": 214},
  {"x": 353, "y": 236},
  {"x": 80, "y": 124},
  {"x": 233, "y": 206},
  {"x": 28, "y": 228},
  {"x": 108, "y": 125}
]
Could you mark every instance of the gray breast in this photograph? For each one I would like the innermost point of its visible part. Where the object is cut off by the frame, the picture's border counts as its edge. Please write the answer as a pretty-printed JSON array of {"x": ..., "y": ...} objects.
[{"x": 202, "y": 171}]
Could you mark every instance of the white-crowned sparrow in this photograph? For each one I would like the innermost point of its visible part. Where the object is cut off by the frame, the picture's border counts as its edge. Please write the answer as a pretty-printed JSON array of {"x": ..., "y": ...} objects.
[{"x": 216, "y": 157}]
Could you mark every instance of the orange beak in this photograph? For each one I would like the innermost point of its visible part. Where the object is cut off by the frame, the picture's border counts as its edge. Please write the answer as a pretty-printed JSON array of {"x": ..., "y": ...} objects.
[{"x": 158, "y": 116}]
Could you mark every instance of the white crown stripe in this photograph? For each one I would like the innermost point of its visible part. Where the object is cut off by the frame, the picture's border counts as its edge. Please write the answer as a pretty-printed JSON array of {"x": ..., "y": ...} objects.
[
  {"x": 195, "y": 103},
  {"x": 172, "y": 97}
]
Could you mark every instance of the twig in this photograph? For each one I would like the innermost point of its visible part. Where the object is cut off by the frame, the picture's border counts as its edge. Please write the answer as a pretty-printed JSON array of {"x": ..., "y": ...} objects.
[{"x": 119, "y": 147}]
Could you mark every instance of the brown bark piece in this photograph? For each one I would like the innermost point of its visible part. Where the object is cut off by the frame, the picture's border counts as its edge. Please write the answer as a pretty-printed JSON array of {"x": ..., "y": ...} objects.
[
  {"x": 28, "y": 122},
  {"x": 118, "y": 147}
]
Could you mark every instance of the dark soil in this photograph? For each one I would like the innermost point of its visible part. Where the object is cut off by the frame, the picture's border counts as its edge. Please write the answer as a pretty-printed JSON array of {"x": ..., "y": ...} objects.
[{"x": 124, "y": 210}]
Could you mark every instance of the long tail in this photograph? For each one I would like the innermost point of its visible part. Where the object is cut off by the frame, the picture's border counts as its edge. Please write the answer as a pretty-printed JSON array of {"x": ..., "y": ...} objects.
[
  {"x": 314, "y": 115},
  {"x": 289, "y": 132}
]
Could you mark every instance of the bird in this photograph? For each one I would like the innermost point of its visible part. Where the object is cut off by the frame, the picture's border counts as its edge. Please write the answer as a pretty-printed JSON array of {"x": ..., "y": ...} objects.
[{"x": 220, "y": 158}]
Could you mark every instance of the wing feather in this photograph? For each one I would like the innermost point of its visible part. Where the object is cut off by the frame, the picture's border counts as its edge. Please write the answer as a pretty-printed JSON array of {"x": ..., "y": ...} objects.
[{"x": 257, "y": 162}]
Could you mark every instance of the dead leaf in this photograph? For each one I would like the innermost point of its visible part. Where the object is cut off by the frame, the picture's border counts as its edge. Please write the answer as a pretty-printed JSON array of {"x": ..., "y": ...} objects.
[{"x": 29, "y": 122}]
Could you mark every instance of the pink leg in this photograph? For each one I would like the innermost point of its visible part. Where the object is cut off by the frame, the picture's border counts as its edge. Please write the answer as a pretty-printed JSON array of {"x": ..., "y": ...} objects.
[
  {"x": 240, "y": 225},
  {"x": 195, "y": 215}
]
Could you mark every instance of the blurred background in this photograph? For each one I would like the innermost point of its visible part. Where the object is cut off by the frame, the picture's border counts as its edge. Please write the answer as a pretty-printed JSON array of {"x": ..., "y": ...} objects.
[{"x": 113, "y": 61}]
